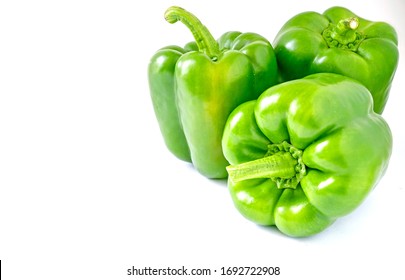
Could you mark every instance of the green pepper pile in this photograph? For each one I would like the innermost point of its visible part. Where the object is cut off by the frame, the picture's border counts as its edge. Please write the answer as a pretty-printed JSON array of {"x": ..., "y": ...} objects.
[{"x": 297, "y": 129}]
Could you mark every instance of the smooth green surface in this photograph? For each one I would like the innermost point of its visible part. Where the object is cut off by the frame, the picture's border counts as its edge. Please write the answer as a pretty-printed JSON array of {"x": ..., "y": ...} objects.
[
  {"x": 330, "y": 42},
  {"x": 345, "y": 147},
  {"x": 194, "y": 89}
]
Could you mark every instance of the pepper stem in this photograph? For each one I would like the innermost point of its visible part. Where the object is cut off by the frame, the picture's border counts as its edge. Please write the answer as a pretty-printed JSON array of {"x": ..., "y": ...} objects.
[
  {"x": 344, "y": 34},
  {"x": 345, "y": 30},
  {"x": 280, "y": 165},
  {"x": 205, "y": 41},
  {"x": 283, "y": 164}
]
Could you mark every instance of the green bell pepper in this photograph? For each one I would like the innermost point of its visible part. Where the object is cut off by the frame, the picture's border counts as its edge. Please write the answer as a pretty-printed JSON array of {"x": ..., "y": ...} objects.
[
  {"x": 195, "y": 88},
  {"x": 339, "y": 42},
  {"x": 305, "y": 153}
]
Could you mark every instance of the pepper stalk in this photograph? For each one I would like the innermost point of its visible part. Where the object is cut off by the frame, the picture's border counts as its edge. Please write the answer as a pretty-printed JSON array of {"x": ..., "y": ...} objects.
[
  {"x": 344, "y": 34},
  {"x": 283, "y": 164},
  {"x": 205, "y": 41}
]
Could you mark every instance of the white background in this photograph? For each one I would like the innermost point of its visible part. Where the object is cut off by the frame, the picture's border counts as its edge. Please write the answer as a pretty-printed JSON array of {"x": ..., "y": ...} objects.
[{"x": 87, "y": 187}]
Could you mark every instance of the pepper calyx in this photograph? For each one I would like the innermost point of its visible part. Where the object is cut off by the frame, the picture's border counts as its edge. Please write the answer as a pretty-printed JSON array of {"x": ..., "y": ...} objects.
[{"x": 344, "y": 34}]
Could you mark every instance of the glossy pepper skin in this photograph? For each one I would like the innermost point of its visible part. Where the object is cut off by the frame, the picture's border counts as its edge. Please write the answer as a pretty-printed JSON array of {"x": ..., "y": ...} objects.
[
  {"x": 195, "y": 88},
  {"x": 338, "y": 41},
  {"x": 305, "y": 153}
]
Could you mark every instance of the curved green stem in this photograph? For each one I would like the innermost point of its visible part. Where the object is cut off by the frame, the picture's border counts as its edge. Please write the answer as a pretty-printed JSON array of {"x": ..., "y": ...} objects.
[
  {"x": 283, "y": 164},
  {"x": 205, "y": 41}
]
